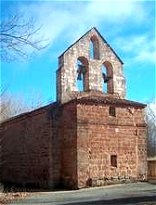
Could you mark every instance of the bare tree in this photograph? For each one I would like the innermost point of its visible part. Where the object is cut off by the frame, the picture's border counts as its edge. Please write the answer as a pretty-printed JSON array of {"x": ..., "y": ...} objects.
[
  {"x": 19, "y": 38},
  {"x": 151, "y": 124},
  {"x": 11, "y": 105}
]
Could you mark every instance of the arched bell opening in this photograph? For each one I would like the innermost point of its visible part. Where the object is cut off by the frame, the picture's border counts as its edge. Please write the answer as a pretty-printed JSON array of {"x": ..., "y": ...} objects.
[
  {"x": 107, "y": 75},
  {"x": 82, "y": 78},
  {"x": 94, "y": 48}
]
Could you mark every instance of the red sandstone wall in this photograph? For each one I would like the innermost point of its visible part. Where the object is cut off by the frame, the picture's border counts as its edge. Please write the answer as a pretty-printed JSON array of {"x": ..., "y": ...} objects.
[
  {"x": 55, "y": 163},
  {"x": 26, "y": 149},
  {"x": 69, "y": 146},
  {"x": 96, "y": 140}
]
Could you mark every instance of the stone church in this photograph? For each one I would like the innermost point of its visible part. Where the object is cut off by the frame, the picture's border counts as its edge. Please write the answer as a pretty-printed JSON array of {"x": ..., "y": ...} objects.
[{"x": 91, "y": 135}]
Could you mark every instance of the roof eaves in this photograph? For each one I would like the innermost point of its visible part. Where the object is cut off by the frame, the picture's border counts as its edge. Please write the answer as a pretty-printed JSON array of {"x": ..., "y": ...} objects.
[
  {"x": 107, "y": 101},
  {"x": 25, "y": 114}
]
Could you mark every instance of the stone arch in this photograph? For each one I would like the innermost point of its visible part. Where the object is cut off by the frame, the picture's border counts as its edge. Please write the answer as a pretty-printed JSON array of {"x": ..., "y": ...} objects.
[
  {"x": 94, "y": 48},
  {"x": 108, "y": 77},
  {"x": 82, "y": 79}
]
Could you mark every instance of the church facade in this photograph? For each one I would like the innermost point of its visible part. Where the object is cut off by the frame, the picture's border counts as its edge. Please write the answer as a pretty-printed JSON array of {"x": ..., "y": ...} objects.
[{"x": 91, "y": 136}]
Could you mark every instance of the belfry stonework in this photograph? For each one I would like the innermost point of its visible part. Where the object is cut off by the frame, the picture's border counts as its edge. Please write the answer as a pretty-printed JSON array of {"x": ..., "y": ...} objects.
[
  {"x": 91, "y": 135},
  {"x": 102, "y": 55}
]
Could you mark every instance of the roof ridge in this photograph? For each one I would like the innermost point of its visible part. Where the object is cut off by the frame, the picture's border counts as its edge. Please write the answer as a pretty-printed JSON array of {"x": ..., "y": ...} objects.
[{"x": 108, "y": 100}]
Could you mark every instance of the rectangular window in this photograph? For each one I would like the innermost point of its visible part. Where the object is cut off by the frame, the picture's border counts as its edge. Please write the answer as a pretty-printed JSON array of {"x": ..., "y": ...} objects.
[
  {"x": 112, "y": 111},
  {"x": 114, "y": 160}
]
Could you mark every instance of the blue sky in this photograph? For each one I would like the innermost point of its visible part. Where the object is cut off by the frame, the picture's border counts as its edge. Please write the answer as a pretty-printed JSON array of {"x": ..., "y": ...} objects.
[{"x": 128, "y": 26}]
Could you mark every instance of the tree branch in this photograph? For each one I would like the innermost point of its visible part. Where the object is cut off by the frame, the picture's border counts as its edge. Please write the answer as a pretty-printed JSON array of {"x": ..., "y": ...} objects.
[{"x": 19, "y": 38}]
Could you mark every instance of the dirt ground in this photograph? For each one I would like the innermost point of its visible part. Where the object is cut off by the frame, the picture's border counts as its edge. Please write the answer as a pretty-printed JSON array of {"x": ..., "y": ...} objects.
[
  {"x": 121, "y": 194},
  {"x": 6, "y": 198}
]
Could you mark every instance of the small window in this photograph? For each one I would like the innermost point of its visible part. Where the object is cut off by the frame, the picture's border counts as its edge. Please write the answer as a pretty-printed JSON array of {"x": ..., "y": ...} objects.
[
  {"x": 114, "y": 160},
  {"x": 112, "y": 111}
]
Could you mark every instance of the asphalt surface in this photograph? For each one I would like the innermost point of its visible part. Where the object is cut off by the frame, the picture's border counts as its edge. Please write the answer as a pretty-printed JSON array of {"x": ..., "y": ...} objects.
[{"x": 125, "y": 194}]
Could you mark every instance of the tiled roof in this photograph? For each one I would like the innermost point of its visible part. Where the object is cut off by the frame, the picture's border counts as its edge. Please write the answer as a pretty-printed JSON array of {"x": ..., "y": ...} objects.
[
  {"x": 29, "y": 113},
  {"x": 88, "y": 100},
  {"x": 108, "y": 100}
]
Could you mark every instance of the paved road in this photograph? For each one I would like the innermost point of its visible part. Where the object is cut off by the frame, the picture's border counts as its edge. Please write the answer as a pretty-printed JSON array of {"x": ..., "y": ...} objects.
[{"x": 125, "y": 194}]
